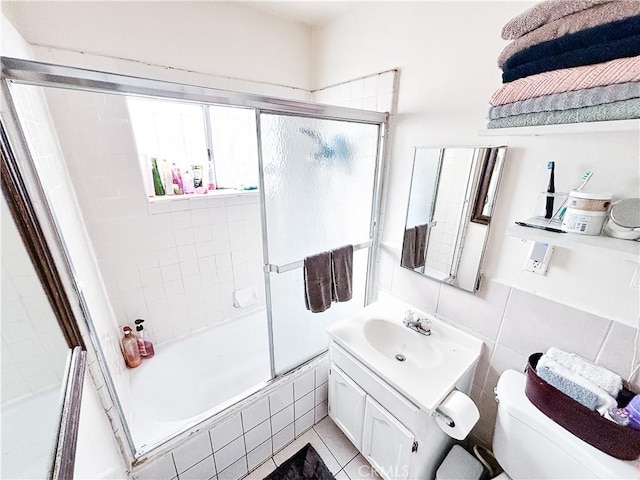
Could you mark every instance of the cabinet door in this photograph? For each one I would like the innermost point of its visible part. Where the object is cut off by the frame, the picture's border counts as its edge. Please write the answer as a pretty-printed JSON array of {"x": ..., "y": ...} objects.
[
  {"x": 346, "y": 405},
  {"x": 386, "y": 443}
]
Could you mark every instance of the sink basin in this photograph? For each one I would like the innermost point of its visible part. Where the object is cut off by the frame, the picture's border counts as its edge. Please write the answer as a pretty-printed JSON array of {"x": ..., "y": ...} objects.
[
  {"x": 422, "y": 368},
  {"x": 399, "y": 343}
]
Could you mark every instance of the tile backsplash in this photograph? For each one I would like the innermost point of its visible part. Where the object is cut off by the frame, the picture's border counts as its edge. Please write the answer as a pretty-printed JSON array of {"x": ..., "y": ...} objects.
[
  {"x": 513, "y": 324},
  {"x": 245, "y": 439}
]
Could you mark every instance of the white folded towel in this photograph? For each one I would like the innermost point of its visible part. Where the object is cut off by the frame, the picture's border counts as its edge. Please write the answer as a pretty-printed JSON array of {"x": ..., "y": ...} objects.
[
  {"x": 604, "y": 401},
  {"x": 596, "y": 374}
]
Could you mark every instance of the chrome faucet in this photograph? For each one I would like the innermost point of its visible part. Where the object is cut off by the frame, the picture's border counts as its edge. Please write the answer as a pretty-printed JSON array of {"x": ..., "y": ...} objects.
[{"x": 420, "y": 325}]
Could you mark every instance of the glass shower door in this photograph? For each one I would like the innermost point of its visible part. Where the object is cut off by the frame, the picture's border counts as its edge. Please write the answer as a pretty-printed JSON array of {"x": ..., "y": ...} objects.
[{"x": 319, "y": 182}]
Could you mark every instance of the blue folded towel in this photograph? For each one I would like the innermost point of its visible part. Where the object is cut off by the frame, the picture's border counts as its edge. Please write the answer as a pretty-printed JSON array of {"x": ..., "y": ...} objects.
[
  {"x": 593, "y": 54},
  {"x": 605, "y": 33},
  {"x": 566, "y": 386},
  {"x": 574, "y": 385}
]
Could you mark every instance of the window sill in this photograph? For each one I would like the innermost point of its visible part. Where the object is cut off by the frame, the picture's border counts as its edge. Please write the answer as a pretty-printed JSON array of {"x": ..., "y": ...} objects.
[
  {"x": 196, "y": 201},
  {"x": 224, "y": 192}
]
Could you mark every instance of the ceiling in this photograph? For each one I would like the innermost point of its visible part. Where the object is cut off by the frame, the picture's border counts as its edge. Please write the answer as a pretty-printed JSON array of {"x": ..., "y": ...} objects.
[{"x": 313, "y": 13}]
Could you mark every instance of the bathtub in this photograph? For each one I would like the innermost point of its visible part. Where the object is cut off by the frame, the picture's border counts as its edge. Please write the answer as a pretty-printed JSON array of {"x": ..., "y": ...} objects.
[{"x": 193, "y": 378}]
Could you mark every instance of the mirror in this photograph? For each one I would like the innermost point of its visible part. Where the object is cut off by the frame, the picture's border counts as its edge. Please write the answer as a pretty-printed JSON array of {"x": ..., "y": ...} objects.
[{"x": 451, "y": 201}]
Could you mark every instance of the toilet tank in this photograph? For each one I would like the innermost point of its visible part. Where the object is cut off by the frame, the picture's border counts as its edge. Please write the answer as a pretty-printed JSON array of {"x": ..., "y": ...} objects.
[{"x": 528, "y": 444}]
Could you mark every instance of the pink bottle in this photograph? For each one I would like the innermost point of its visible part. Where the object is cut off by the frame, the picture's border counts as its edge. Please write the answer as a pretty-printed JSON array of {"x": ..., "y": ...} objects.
[
  {"x": 130, "y": 349},
  {"x": 147, "y": 350}
]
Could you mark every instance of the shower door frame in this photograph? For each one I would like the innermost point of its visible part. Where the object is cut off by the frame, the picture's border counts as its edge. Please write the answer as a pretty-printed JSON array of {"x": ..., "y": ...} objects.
[{"x": 39, "y": 74}]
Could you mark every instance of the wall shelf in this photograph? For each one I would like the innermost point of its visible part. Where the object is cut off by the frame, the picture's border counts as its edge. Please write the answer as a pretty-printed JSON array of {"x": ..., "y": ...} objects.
[
  {"x": 627, "y": 250},
  {"x": 611, "y": 126}
]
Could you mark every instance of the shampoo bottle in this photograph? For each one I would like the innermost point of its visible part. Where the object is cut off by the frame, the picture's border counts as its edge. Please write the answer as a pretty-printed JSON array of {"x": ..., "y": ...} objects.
[
  {"x": 177, "y": 179},
  {"x": 187, "y": 182},
  {"x": 157, "y": 182},
  {"x": 167, "y": 177},
  {"x": 149, "y": 351},
  {"x": 130, "y": 349}
]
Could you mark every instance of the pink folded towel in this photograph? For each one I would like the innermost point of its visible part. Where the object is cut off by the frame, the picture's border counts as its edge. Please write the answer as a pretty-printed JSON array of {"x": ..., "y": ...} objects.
[
  {"x": 569, "y": 79},
  {"x": 543, "y": 13},
  {"x": 590, "y": 17}
]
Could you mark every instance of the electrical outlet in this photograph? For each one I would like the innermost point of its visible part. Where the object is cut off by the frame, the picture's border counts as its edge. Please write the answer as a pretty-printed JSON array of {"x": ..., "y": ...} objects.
[{"x": 539, "y": 257}]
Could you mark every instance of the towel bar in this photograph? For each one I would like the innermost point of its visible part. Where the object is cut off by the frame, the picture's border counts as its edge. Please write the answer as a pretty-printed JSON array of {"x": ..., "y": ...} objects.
[{"x": 299, "y": 264}]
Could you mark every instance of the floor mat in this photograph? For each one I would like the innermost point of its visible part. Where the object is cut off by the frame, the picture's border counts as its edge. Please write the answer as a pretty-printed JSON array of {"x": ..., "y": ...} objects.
[{"x": 306, "y": 464}]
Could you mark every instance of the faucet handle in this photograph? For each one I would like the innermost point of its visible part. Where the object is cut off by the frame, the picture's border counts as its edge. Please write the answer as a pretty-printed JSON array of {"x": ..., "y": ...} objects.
[
  {"x": 425, "y": 324},
  {"x": 408, "y": 316}
]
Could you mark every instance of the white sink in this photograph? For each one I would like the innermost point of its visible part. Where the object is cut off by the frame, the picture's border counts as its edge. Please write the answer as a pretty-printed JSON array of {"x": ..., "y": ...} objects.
[
  {"x": 423, "y": 368},
  {"x": 399, "y": 343}
]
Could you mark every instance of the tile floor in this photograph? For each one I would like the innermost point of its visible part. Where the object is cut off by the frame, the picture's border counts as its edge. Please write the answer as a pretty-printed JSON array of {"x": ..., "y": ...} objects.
[{"x": 338, "y": 453}]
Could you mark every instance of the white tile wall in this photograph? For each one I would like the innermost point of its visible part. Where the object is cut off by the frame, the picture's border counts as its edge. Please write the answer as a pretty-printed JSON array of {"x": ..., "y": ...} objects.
[
  {"x": 174, "y": 262},
  {"x": 373, "y": 92},
  {"x": 228, "y": 450}
]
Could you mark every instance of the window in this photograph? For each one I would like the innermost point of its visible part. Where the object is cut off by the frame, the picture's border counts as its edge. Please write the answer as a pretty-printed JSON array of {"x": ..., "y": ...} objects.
[{"x": 179, "y": 135}]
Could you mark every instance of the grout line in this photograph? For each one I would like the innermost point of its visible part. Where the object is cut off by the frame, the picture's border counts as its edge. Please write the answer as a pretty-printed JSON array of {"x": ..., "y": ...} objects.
[
  {"x": 604, "y": 342},
  {"x": 325, "y": 444},
  {"x": 215, "y": 467}
]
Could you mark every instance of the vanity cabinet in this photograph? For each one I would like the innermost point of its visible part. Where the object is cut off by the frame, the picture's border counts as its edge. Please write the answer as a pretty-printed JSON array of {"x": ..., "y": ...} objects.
[
  {"x": 376, "y": 418},
  {"x": 386, "y": 443},
  {"x": 346, "y": 404}
]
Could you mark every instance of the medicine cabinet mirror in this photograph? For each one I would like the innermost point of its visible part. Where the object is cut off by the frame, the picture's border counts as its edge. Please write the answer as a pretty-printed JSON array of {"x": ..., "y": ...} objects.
[{"x": 451, "y": 201}]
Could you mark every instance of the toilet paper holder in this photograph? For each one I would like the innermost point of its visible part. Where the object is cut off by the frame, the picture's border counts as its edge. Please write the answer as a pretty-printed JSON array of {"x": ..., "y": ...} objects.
[{"x": 446, "y": 418}]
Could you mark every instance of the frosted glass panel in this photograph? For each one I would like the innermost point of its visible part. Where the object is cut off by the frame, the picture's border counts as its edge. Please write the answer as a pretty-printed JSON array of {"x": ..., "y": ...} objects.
[
  {"x": 297, "y": 333},
  {"x": 319, "y": 178}
]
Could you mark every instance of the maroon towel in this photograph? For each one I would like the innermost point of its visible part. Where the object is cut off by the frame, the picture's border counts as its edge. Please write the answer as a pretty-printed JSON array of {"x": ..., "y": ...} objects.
[
  {"x": 421, "y": 244},
  {"x": 317, "y": 282},
  {"x": 342, "y": 273},
  {"x": 409, "y": 249}
]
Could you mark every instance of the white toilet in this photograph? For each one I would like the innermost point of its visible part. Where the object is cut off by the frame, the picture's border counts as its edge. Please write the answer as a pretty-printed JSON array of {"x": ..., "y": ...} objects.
[{"x": 528, "y": 444}]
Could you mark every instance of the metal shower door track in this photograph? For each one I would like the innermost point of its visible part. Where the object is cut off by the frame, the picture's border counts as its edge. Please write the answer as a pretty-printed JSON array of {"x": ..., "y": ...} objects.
[{"x": 59, "y": 76}]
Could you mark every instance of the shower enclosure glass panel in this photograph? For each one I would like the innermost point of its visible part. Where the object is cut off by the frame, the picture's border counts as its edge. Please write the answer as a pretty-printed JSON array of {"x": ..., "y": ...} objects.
[
  {"x": 319, "y": 178},
  {"x": 173, "y": 261}
]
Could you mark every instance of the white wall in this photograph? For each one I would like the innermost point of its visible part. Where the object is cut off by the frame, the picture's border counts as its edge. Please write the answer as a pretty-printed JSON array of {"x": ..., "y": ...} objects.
[
  {"x": 217, "y": 38},
  {"x": 446, "y": 53}
]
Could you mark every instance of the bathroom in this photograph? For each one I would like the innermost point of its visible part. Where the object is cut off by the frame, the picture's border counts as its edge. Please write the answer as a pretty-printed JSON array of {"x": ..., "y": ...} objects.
[{"x": 445, "y": 56}]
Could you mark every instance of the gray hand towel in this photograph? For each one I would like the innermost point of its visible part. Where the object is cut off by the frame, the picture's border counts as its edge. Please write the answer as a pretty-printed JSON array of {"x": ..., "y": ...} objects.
[
  {"x": 317, "y": 282},
  {"x": 342, "y": 273},
  {"x": 421, "y": 245},
  {"x": 409, "y": 248}
]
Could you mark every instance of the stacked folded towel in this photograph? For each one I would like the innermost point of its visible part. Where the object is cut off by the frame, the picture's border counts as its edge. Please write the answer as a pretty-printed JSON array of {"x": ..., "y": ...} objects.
[
  {"x": 587, "y": 383},
  {"x": 570, "y": 62}
]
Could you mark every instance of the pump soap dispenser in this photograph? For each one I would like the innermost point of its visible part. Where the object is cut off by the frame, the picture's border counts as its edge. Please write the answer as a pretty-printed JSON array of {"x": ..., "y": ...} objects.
[
  {"x": 147, "y": 350},
  {"x": 130, "y": 348}
]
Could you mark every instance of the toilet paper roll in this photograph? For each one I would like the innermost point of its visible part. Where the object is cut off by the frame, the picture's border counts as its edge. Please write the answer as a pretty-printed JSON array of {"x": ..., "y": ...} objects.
[{"x": 461, "y": 409}]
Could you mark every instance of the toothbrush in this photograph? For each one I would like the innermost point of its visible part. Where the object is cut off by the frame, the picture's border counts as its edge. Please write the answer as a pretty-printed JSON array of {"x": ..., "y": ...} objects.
[
  {"x": 585, "y": 178},
  {"x": 550, "y": 189},
  {"x": 563, "y": 208}
]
